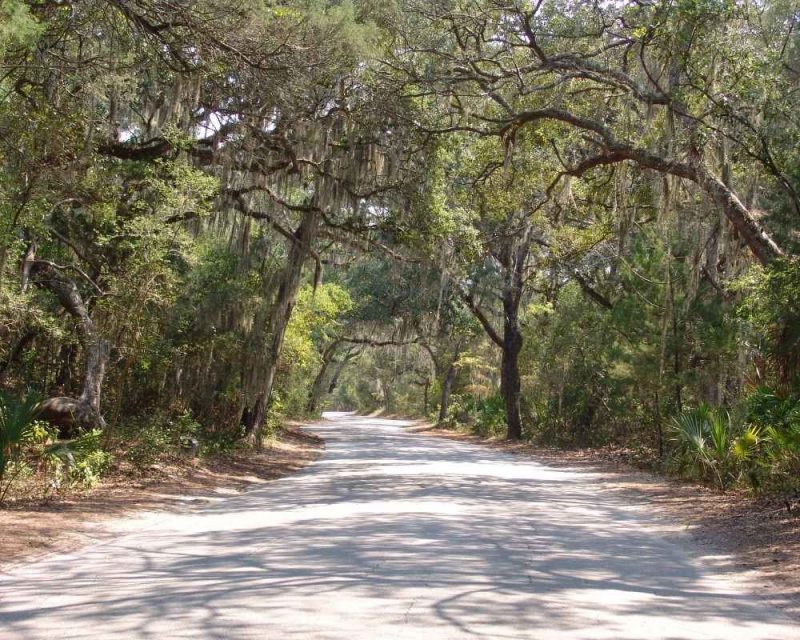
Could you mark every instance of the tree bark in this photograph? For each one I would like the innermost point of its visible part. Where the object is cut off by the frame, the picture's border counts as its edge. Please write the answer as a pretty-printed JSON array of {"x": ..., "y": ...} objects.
[
  {"x": 315, "y": 393},
  {"x": 16, "y": 351},
  {"x": 85, "y": 410},
  {"x": 28, "y": 262},
  {"x": 515, "y": 259},
  {"x": 348, "y": 357},
  {"x": 335, "y": 378},
  {"x": 510, "y": 385},
  {"x": 763, "y": 247},
  {"x": 760, "y": 243},
  {"x": 447, "y": 386},
  {"x": 513, "y": 256},
  {"x": 254, "y": 415},
  {"x": 66, "y": 357}
]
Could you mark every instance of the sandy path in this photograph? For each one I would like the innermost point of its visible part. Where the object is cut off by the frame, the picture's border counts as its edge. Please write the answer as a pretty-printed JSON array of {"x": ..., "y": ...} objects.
[{"x": 394, "y": 535}]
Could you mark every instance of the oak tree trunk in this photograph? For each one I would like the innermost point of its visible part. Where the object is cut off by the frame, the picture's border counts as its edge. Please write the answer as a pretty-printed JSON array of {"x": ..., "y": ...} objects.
[
  {"x": 254, "y": 415},
  {"x": 315, "y": 393},
  {"x": 510, "y": 378},
  {"x": 84, "y": 411},
  {"x": 447, "y": 387}
]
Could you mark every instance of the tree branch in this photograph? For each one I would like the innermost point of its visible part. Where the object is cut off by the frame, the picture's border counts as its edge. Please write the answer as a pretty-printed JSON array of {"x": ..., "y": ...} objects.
[
  {"x": 469, "y": 300},
  {"x": 592, "y": 292}
]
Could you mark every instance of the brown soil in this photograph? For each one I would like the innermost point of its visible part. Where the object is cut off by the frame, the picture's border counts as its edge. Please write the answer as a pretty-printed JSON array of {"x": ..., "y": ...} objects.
[
  {"x": 761, "y": 535},
  {"x": 34, "y": 527}
]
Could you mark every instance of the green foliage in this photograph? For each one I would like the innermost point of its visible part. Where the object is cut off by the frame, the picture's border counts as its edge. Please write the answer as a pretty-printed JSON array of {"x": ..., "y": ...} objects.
[
  {"x": 490, "y": 416},
  {"x": 89, "y": 469},
  {"x": 276, "y": 415},
  {"x": 28, "y": 443},
  {"x": 582, "y": 378},
  {"x": 484, "y": 416},
  {"x": 149, "y": 440},
  {"x": 316, "y": 321},
  {"x": 774, "y": 449},
  {"x": 760, "y": 447},
  {"x": 17, "y": 25},
  {"x": 770, "y": 310},
  {"x": 80, "y": 462},
  {"x": 18, "y": 429},
  {"x": 146, "y": 441},
  {"x": 155, "y": 214},
  {"x": 702, "y": 440}
]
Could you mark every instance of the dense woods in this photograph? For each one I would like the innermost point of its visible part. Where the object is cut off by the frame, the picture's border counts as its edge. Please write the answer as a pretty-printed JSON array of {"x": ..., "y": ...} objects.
[{"x": 569, "y": 222}]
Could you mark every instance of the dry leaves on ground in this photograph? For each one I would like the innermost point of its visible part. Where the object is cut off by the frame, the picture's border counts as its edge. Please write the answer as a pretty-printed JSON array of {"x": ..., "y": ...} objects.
[{"x": 35, "y": 527}]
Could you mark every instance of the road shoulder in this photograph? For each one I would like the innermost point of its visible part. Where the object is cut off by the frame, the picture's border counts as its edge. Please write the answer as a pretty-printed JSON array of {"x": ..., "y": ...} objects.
[{"x": 35, "y": 528}]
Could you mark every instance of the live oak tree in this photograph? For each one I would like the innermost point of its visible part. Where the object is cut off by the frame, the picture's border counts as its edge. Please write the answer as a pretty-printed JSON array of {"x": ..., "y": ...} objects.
[
  {"x": 502, "y": 200},
  {"x": 574, "y": 222},
  {"x": 269, "y": 102},
  {"x": 646, "y": 84},
  {"x": 666, "y": 88}
]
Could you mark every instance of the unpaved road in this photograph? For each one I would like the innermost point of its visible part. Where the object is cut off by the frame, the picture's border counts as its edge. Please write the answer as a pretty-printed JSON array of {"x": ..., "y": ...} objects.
[{"x": 394, "y": 535}]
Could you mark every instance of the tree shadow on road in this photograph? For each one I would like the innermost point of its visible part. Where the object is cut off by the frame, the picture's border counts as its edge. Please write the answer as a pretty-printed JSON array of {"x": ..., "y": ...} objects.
[{"x": 396, "y": 538}]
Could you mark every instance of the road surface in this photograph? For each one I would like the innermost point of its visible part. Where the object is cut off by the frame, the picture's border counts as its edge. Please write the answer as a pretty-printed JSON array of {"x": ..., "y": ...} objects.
[{"x": 394, "y": 535}]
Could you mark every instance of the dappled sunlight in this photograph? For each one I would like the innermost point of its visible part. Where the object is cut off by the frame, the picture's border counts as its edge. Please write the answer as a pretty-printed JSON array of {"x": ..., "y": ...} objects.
[{"x": 393, "y": 535}]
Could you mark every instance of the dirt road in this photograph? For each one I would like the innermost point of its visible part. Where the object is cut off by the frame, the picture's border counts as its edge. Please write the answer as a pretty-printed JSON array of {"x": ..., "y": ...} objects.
[{"x": 394, "y": 535}]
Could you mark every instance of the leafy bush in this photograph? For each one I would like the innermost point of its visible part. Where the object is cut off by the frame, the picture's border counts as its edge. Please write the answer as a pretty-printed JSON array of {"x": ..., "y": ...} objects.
[
  {"x": 770, "y": 311},
  {"x": 79, "y": 462},
  {"x": 151, "y": 439},
  {"x": 490, "y": 416},
  {"x": 746, "y": 452},
  {"x": 776, "y": 419},
  {"x": 460, "y": 412},
  {"x": 484, "y": 416},
  {"x": 148, "y": 440},
  {"x": 275, "y": 417},
  {"x": 88, "y": 471},
  {"x": 27, "y": 444}
]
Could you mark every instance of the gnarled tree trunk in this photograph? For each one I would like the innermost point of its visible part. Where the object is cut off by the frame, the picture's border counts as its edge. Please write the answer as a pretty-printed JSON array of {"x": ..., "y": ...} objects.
[
  {"x": 315, "y": 393},
  {"x": 513, "y": 256},
  {"x": 514, "y": 260},
  {"x": 84, "y": 411}
]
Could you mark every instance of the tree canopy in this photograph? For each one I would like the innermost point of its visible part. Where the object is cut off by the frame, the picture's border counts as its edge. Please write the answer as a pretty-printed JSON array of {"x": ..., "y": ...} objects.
[{"x": 572, "y": 222}]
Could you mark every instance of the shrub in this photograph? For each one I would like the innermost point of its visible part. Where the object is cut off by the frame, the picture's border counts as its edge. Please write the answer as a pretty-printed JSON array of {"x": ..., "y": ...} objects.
[
  {"x": 490, "y": 416},
  {"x": 88, "y": 471},
  {"x": 484, "y": 416},
  {"x": 702, "y": 440},
  {"x": 18, "y": 428},
  {"x": 761, "y": 447},
  {"x": 776, "y": 419},
  {"x": 150, "y": 440},
  {"x": 78, "y": 462},
  {"x": 25, "y": 441},
  {"x": 770, "y": 310},
  {"x": 274, "y": 419}
]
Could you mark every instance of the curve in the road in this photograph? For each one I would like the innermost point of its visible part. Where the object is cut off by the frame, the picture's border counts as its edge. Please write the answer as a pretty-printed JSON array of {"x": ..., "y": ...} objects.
[{"x": 394, "y": 535}]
